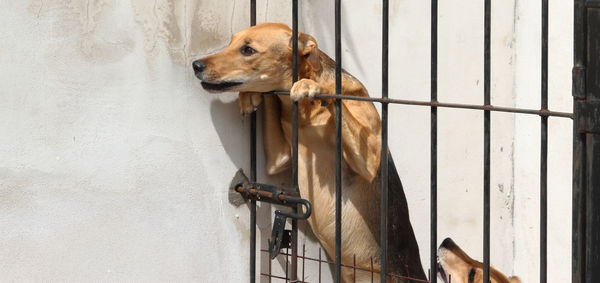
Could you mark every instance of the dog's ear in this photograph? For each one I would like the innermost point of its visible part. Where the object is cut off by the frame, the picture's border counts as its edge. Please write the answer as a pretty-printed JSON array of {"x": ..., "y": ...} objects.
[{"x": 307, "y": 48}]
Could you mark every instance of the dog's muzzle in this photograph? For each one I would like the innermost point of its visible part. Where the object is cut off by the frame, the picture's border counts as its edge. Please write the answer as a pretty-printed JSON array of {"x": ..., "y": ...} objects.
[{"x": 213, "y": 86}]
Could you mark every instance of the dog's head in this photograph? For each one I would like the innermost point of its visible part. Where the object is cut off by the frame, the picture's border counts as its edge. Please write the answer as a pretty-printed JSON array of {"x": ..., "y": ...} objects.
[
  {"x": 455, "y": 263},
  {"x": 258, "y": 59}
]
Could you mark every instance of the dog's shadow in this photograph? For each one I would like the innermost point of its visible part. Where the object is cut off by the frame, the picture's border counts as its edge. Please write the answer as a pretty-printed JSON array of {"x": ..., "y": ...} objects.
[{"x": 236, "y": 143}]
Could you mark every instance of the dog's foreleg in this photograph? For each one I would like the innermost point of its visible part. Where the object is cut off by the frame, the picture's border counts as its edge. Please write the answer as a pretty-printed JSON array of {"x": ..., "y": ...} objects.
[
  {"x": 277, "y": 149},
  {"x": 361, "y": 126},
  {"x": 361, "y": 137}
]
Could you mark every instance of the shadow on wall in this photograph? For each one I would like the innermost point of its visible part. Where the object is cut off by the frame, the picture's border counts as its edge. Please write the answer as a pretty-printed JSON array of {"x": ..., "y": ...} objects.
[{"x": 236, "y": 146}]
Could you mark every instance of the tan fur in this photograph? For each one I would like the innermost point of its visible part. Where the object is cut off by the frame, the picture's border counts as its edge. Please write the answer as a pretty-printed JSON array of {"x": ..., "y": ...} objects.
[
  {"x": 360, "y": 130},
  {"x": 457, "y": 264}
]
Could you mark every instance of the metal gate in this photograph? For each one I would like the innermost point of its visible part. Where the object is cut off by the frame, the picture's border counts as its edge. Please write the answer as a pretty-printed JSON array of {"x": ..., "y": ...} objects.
[{"x": 586, "y": 171}]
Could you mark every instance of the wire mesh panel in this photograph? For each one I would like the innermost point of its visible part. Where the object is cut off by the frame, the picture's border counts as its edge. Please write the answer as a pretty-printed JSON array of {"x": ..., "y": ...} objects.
[{"x": 320, "y": 262}]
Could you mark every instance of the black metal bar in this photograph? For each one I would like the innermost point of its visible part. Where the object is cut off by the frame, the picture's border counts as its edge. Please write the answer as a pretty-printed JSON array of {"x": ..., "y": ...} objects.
[
  {"x": 544, "y": 82},
  {"x": 303, "y": 260},
  {"x": 295, "y": 104},
  {"x": 253, "y": 202},
  {"x": 384, "y": 143},
  {"x": 294, "y": 240},
  {"x": 270, "y": 268},
  {"x": 372, "y": 269},
  {"x": 287, "y": 264},
  {"x": 354, "y": 268},
  {"x": 544, "y": 150},
  {"x": 338, "y": 142},
  {"x": 253, "y": 171},
  {"x": 252, "y": 12},
  {"x": 544, "y": 200},
  {"x": 588, "y": 114},
  {"x": 486, "y": 143},
  {"x": 592, "y": 179},
  {"x": 433, "y": 144},
  {"x": 320, "y": 261},
  {"x": 579, "y": 146},
  {"x": 490, "y": 108}
]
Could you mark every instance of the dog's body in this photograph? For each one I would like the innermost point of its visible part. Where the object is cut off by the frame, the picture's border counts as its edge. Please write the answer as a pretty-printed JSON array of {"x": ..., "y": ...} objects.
[
  {"x": 258, "y": 60},
  {"x": 454, "y": 263}
]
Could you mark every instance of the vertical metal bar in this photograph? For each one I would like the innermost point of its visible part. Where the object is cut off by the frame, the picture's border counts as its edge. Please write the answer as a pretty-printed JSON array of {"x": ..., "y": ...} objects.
[
  {"x": 433, "y": 144},
  {"x": 338, "y": 143},
  {"x": 320, "y": 265},
  {"x": 253, "y": 202},
  {"x": 544, "y": 149},
  {"x": 287, "y": 263},
  {"x": 372, "y": 271},
  {"x": 544, "y": 200},
  {"x": 354, "y": 268},
  {"x": 270, "y": 267},
  {"x": 588, "y": 110},
  {"x": 592, "y": 179},
  {"x": 579, "y": 146},
  {"x": 294, "y": 239},
  {"x": 253, "y": 171},
  {"x": 486, "y": 144},
  {"x": 252, "y": 12},
  {"x": 303, "y": 260},
  {"x": 384, "y": 143}
]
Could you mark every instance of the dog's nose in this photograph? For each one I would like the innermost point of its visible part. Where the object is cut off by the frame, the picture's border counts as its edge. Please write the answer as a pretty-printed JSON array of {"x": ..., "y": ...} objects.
[{"x": 198, "y": 66}]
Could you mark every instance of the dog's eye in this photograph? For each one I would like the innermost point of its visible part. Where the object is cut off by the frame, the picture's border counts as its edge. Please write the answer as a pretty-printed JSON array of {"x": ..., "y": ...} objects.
[{"x": 247, "y": 50}]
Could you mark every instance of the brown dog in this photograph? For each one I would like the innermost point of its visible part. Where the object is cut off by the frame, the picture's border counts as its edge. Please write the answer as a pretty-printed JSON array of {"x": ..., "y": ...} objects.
[
  {"x": 259, "y": 59},
  {"x": 454, "y": 263}
]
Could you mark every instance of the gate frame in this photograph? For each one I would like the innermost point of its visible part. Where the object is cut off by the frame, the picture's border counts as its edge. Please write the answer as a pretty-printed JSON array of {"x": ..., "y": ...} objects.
[{"x": 586, "y": 140}]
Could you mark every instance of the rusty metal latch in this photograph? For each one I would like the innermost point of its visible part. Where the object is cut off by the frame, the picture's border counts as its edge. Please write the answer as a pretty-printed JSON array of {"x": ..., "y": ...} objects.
[{"x": 280, "y": 237}]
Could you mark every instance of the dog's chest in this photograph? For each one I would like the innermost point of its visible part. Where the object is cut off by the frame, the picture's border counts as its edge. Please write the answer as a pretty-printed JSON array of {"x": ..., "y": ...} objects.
[
  {"x": 315, "y": 131},
  {"x": 316, "y": 150}
]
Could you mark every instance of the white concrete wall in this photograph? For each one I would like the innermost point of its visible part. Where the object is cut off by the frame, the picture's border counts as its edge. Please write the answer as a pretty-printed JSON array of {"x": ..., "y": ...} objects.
[
  {"x": 527, "y": 142},
  {"x": 114, "y": 162}
]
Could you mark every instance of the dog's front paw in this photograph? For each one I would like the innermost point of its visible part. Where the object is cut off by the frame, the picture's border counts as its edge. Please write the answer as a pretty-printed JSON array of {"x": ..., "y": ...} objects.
[
  {"x": 304, "y": 88},
  {"x": 249, "y": 101}
]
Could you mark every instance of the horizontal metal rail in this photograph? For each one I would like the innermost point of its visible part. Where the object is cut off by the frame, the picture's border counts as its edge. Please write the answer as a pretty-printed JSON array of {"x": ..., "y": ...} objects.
[{"x": 542, "y": 112}]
